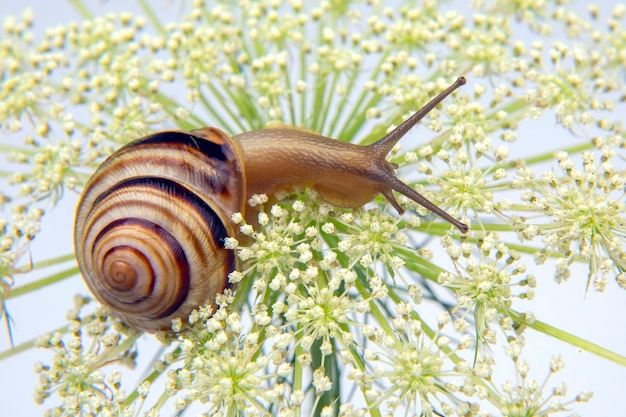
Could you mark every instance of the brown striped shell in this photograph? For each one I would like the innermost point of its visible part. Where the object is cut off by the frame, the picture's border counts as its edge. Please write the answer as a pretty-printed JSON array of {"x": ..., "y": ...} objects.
[{"x": 151, "y": 222}]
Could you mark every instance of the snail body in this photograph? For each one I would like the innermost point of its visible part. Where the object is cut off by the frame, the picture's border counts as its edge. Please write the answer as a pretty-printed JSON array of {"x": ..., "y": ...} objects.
[{"x": 151, "y": 221}]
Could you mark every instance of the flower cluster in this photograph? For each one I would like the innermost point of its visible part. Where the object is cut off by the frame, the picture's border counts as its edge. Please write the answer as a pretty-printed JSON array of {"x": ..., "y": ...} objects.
[
  {"x": 75, "y": 375},
  {"x": 414, "y": 367},
  {"x": 526, "y": 395},
  {"x": 485, "y": 286},
  {"x": 584, "y": 217},
  {"x": 15, "y": 235},
  {"x": 224, "y": 367}
]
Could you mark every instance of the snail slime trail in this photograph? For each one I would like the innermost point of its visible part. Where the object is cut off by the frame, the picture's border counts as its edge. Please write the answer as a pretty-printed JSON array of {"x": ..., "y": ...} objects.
[{"x": 149, "y": 264}]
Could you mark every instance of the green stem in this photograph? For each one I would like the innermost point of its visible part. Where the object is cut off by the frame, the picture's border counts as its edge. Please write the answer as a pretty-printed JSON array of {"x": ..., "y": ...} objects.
[
  {"x": 81, "y": 9},
  {"x": 319, "y": 89},
  {"x": 298, "y": 370},
  {"x": 170, "y": 106},
  {"x": 154, "y": 20},
  {"x": 333, "y": 130},
  {"x": 356, "y": 119},
  {"x": 54, "y": 261},
  {"x": 44, "y": 282},
  {"x": 329, "y": 92},
  {"x": 548, "y": 156},
  {"x": 109, "y": 353},
  {"x": 358, "y": 360},
  {"x": 374, "y": 309},
  {"x": 243, "y": 291},
  {"x": 570, "y": 339},
  {"x": 218, "y": 118},
  {"x": 23, "y": 347},
  {"x": 150, "y": 378},
  {"x": 29, "y": 344},
  {"x": 304, "y": 94}
]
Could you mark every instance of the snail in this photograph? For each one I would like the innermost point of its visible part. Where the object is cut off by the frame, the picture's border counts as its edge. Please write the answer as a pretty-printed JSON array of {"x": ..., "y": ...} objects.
[{"x": 151, "y": 221}]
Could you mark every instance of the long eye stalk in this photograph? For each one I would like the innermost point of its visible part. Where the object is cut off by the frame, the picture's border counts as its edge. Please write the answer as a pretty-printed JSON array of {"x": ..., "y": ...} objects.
[{"x": 384, "y": 146}]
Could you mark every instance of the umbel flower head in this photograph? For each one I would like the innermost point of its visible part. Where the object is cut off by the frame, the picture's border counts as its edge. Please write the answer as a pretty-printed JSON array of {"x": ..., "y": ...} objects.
[{"x": 331, "y": 311}]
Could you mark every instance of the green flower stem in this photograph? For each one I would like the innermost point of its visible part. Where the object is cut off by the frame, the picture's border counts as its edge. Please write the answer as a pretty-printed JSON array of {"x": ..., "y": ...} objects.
[
  {"x": 23, "y": 347},
  {"x": 81, "y": 9},
  {"x": 290, "y": 96},
  {"x": 244, "y": 114},
  {"x": 431, "y": 228},
  {"x": 416, "y": 263},
  {"x": 327, "y": 98},
  {"x": 569, "y": 338},
  {"x": 154, "y": 375},
  {"x": 358, "y": 361},
  {"x": 269, "y": 299},
  {"x": 511, "y": 108},
  {"x": 217, "y": 116},
  {"x": 546, "y": 156},
  {"x": 240, "y": 296},
  {"x": 303, "y": 97},
  {"x": 356, "y": 118},
  {"x": 532, "y": 250},
  {"x": 7, "y": 149},
  {"x": 362, "y": 288},
  {"x": 170, "y": 106},
  {"x": 318, "y": 100},
  {"x": 113, "y": 352},
  {"x": 333, "y": 130},
  {"x": 154, "y": 20},
  {"x": 355, "y": 121},
  {"x": 70, "y": 257},
  {"x": 29, "y": 344},
  {"x": 44, "y": 282},
  {"x": 297, "y": 370},
  {"x": 331, "y": 397},
  {"x": 161, "y": 401}
]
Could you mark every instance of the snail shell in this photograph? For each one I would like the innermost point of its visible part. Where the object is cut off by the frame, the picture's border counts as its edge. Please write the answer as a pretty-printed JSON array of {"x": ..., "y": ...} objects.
[{"x": 159, "y": 208}]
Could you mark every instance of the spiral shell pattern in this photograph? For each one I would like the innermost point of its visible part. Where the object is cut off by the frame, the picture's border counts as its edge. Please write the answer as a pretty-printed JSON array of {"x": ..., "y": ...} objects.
[{"x": 151, "y": 222}]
